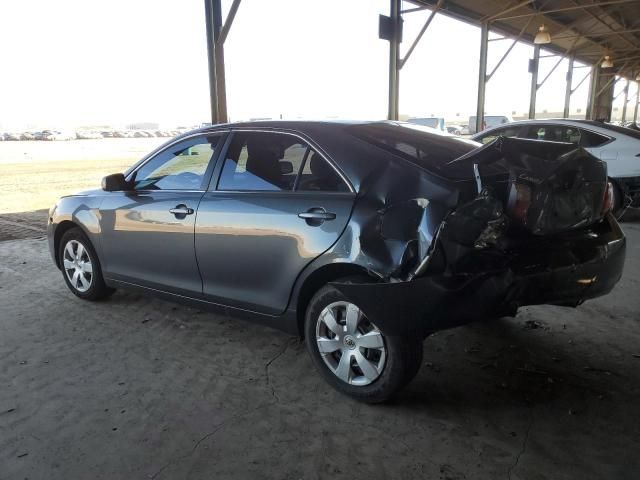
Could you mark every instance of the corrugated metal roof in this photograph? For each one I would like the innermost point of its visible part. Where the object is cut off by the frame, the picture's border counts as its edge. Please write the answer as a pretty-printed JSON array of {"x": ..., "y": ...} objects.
[{"x": 590, "y": 29}]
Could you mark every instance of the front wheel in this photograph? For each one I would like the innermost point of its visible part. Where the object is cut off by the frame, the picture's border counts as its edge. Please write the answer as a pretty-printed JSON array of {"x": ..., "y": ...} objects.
[
  {"x": 80, "y": 266},
  {"x": 351, "y": 352}
]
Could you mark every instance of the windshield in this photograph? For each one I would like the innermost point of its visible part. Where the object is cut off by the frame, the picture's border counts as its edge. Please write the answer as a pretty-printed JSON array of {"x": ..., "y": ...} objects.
[{"x": 623, "y": 130}]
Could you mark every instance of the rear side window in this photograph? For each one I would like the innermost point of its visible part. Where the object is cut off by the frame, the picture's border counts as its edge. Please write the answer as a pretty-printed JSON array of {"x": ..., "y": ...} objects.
[
  {"x": 265, "y": 161},
  {"x": 318, "y": 175},
  {"x": 592, "y": 139},
  {"x": 554, "y": 133}
]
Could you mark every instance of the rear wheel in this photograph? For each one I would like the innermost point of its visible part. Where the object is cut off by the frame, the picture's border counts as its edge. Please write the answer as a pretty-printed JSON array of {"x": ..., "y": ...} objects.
[
  {"x": 351, "y": 352},
  {"x": 80, "y": 266}
]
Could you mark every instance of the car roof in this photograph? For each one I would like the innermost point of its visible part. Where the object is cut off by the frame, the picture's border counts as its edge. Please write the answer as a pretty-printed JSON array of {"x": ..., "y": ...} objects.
[
  {"x": 589, "y": 124},
  {"x": 297, "y": 125}
]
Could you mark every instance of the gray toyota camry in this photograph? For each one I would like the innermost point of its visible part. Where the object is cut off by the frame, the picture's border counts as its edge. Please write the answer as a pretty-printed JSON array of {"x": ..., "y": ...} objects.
[{"x": 361, "y": 237}]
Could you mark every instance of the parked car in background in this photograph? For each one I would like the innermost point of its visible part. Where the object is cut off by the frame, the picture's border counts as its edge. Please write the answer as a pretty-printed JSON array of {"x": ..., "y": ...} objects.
[
  {"x": 363, "y": 238},
  {"x": 11, "y": 136},
  {"x": 53, "y": 135},
  {"x": 88, "y": 135},
  {"x": 454, "y": 129},
  {"x": 490, "y": 121},
  {"x": 618, "y": 146},
  {"x": 432, "y": 122}
]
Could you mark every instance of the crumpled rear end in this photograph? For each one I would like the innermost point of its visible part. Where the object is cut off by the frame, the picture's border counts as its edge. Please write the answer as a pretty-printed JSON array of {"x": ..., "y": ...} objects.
[{"x": 489, "y": 258}]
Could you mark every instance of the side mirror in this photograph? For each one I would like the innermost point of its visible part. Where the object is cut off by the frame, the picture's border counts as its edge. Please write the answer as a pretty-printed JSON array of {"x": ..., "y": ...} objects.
[
  {"x": 286, "y": 167},
  {"x": 114, "y": 183}
]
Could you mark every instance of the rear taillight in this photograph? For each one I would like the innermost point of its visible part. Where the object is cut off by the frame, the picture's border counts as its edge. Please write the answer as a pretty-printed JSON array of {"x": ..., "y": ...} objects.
[
  {"x": 519, "y": 202},
  {"x": 607, "y": 201}
]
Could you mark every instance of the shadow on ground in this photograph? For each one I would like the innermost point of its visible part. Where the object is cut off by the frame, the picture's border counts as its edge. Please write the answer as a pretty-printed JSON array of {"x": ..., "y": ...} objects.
[{"x": 137, "y": 387}]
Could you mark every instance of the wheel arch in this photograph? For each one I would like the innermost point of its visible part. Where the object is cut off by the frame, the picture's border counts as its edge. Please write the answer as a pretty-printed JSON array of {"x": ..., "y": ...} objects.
[
  {"x": 316, "y": 280},
  {"x": 62, "y": 228}
]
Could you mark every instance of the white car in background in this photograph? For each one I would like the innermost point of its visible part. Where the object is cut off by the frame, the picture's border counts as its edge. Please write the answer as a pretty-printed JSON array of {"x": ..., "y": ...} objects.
[
  {"x": 618, "y": 146},
  {"x": 58, "y": 135}
]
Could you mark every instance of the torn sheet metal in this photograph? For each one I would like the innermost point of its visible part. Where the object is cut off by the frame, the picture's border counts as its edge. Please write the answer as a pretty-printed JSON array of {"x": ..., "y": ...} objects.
[{"x": 477, "y": 261}]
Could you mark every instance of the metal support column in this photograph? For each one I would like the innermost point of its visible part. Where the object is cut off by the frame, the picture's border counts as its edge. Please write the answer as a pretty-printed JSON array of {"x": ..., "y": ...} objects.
[
  {"x": 593, "y": 86},
  {"x": 482, "y": 76},
  {"x": 635, "y": 110},
  {"x": 215, "y": 56},
  {"x": 568, "y": 91},
  {"x": 213, "y": 93},
  {"x": 533, "y": 68},
  {"x": 394, "y": 61},
  {"x": 221, "y": 84},
  {"x": 626, "y": 100}
]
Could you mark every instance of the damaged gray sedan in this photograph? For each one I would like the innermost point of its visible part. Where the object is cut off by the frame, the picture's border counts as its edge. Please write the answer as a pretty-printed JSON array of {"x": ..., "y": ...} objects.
[{"x": 361, "y": 237}]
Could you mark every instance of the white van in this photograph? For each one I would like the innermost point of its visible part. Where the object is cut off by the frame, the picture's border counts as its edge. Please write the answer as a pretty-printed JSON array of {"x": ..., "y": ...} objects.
[{"x": 490, "y": 121}]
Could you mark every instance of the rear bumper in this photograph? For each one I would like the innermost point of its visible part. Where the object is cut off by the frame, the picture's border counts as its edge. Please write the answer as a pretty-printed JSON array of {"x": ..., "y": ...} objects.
[{"x": 562, "y": 271}]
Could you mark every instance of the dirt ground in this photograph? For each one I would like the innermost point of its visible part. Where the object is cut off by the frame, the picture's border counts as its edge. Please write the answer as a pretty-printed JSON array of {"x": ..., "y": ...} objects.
[
  {"x": 135, "y": 387},
  {"x": 33, "y": 175}
]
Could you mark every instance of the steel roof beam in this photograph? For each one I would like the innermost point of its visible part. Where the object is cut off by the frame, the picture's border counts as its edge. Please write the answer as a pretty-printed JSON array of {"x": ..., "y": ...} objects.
[
  {"x": 421, "y": 33},
  {"x": 508, "y": 10},
  {"x": 598, "y": 19},
  {"x": 597, "y": 34},
  {"x": 566, "y": 9},
  {"x": 513, "y": 44},
  {"x": 224, "y": 31}
]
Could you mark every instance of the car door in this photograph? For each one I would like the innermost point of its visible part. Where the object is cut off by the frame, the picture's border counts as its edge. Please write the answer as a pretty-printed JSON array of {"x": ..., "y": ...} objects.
[
  {"x": 275, "y": 205},
  {"x": 148, "y": 231}
]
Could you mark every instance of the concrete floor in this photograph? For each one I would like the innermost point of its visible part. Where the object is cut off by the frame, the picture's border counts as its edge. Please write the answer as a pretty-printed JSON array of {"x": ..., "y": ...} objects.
[{"x": 139, "y": 388}]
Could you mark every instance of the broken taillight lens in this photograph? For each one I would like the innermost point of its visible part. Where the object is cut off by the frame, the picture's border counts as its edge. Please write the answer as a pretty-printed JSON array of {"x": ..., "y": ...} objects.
[
  {"x": 519, "y": 202},
  {"x": 607, "y": 201}
]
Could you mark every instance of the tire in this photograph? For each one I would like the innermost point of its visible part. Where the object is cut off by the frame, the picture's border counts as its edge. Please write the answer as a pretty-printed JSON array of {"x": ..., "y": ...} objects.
[
  {"x": 396, "y": 363},
  {"x": 84, "y": 275}
]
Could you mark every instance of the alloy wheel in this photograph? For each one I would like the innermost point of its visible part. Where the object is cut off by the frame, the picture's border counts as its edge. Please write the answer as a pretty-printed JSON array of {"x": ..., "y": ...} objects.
[
  {"x": 77, "y": 266},
  {"x": 351, "y": 346}
]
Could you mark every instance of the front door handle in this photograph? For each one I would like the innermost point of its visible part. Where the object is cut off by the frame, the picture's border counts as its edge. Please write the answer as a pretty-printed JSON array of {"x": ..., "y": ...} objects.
[
  {"x": 317, "y": 215},
  {"x": 181, "y": 210}
]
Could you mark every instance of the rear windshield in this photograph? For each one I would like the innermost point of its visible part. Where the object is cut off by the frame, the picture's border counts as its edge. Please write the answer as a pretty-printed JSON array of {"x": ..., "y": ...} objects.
[
  {"x": 422, "y": 146},
  {"x": 623, "y": 130}
]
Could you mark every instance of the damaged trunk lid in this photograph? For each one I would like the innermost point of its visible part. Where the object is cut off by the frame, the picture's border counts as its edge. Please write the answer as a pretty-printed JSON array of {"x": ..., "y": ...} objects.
[{"x": 545, "y": 187}]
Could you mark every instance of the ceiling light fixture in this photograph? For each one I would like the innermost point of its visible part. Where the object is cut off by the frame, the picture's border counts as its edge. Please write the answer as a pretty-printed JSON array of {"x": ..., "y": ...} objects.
[
  {"x": 607, "y": 62},
  {"x": 542, "y": 36}
]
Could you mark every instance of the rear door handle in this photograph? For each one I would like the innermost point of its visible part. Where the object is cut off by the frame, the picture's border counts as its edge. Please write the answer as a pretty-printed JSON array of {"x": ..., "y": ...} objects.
[
  {"x": 181, "y": 210},
  {"x": 317, "y": 215}
]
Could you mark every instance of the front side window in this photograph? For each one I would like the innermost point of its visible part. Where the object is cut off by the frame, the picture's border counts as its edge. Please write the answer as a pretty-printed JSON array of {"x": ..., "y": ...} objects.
[
  {"x": 180, "y": 167},
  {"x": 265, "y": 161}
]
